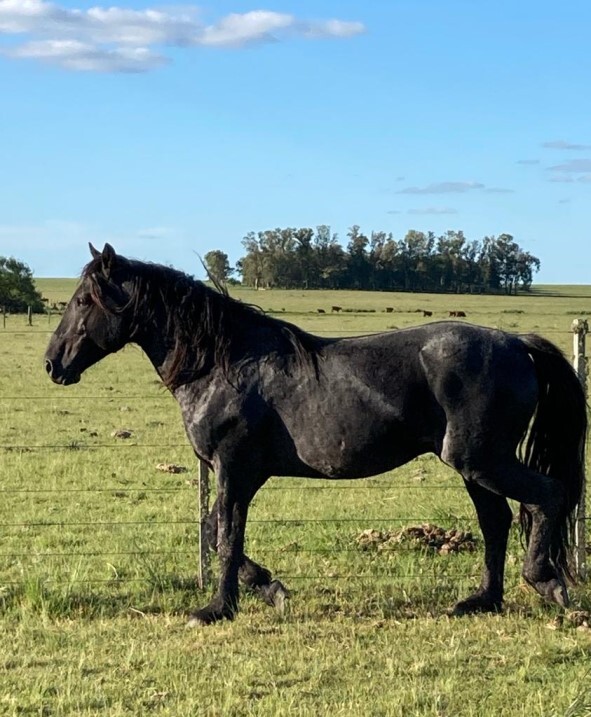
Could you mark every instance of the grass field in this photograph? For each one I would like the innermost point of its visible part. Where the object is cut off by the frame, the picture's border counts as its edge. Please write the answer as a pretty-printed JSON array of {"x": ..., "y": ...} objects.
[{"x": 98, "y": 555}]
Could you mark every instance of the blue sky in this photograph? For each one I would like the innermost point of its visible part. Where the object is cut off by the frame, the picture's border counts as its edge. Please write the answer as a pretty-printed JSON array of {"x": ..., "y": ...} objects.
[{"x": 169, "y": 129}]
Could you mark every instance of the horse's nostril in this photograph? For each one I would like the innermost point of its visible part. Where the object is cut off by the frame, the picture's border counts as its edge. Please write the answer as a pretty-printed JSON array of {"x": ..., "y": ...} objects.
[{"x": 48, "y": 366}]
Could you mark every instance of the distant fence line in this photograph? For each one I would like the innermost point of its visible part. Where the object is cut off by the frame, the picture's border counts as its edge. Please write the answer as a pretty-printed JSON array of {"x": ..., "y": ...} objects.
[{"x": 579, "y": 331}]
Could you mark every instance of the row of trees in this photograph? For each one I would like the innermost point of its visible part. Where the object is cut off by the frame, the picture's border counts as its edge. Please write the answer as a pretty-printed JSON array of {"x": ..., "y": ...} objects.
[
  {"x": 314, "y": 259},
  {"x": 17, "y": 287}
]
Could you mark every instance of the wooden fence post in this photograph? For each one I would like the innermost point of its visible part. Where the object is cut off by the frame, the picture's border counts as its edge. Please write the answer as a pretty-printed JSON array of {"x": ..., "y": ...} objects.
[
  {"x": 30, "y": 315},
  {"x": 4, "y": 317},
  {"x": 204, "y": 575},
  {"x": 580, "y": 327}
]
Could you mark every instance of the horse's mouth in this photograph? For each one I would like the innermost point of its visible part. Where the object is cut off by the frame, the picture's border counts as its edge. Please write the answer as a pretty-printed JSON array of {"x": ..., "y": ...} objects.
[
  {"x": 66, "y": 377},
  {"x": 70, "y": 378}
]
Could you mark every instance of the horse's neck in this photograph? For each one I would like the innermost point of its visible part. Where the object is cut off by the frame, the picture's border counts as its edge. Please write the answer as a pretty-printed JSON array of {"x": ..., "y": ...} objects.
[
  {"x": 158, "y": 338},
  {"x": 155, "y": 336}
]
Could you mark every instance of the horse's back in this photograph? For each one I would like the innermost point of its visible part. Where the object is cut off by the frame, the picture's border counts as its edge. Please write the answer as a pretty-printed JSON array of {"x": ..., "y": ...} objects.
[
  {"x": 453, "y": 376},
  {"x": 444, "y": 352}
]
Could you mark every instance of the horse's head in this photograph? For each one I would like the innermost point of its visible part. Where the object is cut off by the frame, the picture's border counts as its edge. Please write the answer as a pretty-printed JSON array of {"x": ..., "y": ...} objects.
[{"x": 94, "y": 323}]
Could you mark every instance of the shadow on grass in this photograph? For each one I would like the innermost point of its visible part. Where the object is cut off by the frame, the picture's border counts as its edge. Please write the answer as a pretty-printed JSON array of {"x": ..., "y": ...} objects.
[
  {"x": 177, "y": 596},
  {"x": 173, "y": 595},
  {"x": 566, "y": 291}
]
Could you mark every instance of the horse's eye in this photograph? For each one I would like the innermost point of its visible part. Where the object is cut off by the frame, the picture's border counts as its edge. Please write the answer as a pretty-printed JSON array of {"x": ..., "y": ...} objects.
[{"x": 83, "y": 301}]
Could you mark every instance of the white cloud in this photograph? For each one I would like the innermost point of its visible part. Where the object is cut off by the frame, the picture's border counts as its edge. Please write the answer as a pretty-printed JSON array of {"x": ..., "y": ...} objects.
[
  {"x": 332, "y": 28},
  {"x": 562, "y": 144},
  {"x": 115, "y": 39},
  {"x": 98, "y": 24},
  {"x": 443, "y": 188},
  {"x": 236, "y": 30},
  {"x": 574, "y": 165},
  {"x": 74, "y": 55},
  {"x": 433, "y": 210},
  {"x": 156, "y": 233},
  {"x": 562, "y": 179}
]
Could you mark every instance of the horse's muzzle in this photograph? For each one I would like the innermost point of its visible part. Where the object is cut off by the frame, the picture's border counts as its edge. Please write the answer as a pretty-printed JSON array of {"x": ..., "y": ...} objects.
[{"x": 63, "y": 377}]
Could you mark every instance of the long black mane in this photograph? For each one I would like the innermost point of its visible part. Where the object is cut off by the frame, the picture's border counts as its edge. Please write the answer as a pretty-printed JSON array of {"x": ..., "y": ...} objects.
[{"x": 201, "y": 320}]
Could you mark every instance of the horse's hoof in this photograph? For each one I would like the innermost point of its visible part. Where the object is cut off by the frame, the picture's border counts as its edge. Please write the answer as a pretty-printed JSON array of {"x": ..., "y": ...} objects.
[
  {"x": 477, "y": 603},
  {"x": 275, "y": 594},
  {"x": 279, "y": 594},
  {"x": 553, "y": 590},
  {"x": 210, "y": 614}
]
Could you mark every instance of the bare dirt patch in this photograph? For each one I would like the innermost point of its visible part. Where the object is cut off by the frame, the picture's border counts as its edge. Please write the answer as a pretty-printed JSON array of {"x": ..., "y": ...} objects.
[{"x": 423, "y": 536}]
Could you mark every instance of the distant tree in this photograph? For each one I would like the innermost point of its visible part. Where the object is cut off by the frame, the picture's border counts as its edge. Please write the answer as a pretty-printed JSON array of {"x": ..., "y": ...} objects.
[
  {"x": 17, "y": 287},
  {"x": 217, "y": 263},
  {"x": 526, "y": 265},
  {"x": 490, "y": 263},
  {"x": 358, "y": 263},
  {"x": 415, "y": 253},
  {"x": 330, "y": 259},
  {"x": 252, "y": 266}
]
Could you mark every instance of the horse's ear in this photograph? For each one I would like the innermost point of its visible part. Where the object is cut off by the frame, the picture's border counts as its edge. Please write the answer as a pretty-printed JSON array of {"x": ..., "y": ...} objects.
[
  {"x": 108, "y": 256},
  {"x": 95, "y": 252}
]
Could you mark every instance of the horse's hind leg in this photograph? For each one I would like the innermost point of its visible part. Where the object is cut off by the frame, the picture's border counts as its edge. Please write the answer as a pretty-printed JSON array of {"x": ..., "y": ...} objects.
[
  {"x": 253, "y": 576},
  {"x": 543, "y": 498},
  {"x": 494, "y": 517}
]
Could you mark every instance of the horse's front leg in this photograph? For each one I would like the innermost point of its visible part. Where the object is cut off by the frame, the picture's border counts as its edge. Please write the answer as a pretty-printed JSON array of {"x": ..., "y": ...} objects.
[
  {"x": 256, "y": 578},
  {"x": 232, "y": 510}
]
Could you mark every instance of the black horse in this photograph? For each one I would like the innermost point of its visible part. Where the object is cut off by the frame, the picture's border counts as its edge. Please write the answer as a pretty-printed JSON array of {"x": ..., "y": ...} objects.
[{"x": 260, "y": 397}]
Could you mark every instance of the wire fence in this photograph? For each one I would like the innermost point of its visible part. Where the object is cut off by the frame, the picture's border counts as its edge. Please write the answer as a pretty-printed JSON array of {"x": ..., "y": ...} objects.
[{"x": 192, "y": 486}]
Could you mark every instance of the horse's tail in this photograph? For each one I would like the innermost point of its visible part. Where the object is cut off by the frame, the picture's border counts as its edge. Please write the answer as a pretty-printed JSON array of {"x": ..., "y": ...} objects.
[{"x": 555, "y": 442}]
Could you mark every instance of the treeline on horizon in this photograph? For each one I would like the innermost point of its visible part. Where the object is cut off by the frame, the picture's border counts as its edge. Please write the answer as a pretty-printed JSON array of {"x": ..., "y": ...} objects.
[{"x": 305, "y": 258}]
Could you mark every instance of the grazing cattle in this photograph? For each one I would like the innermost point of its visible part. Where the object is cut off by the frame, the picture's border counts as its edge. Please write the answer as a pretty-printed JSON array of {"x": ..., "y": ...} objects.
[
  {"x": 261, "y": 397},
  {"x": 321, "y": 311},
  {"x": 336, "y": 309},
  {"x": 389, "y": 309},
  {"x": 458, "y": 314},
  {"x": 427, "y": 313}
]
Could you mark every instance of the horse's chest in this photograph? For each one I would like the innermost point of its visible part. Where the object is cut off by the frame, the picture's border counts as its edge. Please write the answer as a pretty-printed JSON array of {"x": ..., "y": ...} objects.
[{"x": 214, "y": 419}]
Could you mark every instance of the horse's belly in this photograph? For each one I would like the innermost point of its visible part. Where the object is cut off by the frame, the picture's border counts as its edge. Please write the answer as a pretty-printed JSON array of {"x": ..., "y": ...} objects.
[
  {"x": 346, "y": 428},
  {"x": 356, "y": 455}
]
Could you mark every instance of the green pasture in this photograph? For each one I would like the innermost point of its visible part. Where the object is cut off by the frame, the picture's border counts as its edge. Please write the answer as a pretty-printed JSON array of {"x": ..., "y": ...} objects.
[{"x": 98, "y": 554}]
